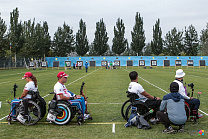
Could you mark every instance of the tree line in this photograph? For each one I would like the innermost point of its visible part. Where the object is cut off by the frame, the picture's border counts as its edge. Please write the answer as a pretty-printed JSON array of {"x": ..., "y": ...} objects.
[{"x": 32, "y": 39}]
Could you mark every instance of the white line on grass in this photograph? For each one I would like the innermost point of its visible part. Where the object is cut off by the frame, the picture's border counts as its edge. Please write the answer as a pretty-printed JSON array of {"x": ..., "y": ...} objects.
[
  {"x": 12, "y": 74},
  {"x": 3, "y": 117},
  {"x": 161, "y": 89},
  {"x": 21, "y": 78},
  {"x": 5, "y": 82}
]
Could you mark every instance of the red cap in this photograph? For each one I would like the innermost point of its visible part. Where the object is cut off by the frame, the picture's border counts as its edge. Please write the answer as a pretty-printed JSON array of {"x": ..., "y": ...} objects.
[
  {"x": 62, "y": 74},
  {"x": 27, "y": 74}
]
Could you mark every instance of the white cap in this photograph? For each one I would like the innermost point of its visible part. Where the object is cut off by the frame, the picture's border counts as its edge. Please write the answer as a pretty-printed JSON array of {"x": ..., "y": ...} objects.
[{"x": 180, "y": 73}]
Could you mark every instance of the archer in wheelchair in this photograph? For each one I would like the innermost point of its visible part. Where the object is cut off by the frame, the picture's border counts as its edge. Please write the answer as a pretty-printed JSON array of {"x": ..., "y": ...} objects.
[
  {"x": 65, "y": 105},
  {"x": 140, "y": 101},
  {"x": 30, "y": 107},
  {"x": 191, "y": 104}
]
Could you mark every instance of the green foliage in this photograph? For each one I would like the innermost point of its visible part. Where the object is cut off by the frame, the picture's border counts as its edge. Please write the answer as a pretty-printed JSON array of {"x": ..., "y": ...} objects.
[
  {"x": 204, "y": 41},
  {"x": 157, "y": 43},
  {"x": 37, "y": 39},
  {"x": 81, "y": 39},
  {"x": 15, "y": 32},
  {"x": 3, "y": 37},
  {"x": 119, "y": 42},
  {"x": 100, "y": 43},
  {"x": 173, "y": 43},
  {"x": 191, "y": 41},
  {"x": 138, "y": 36},
  {"x": 64, "y": 41},
  {"x": 148, "y": 50}
]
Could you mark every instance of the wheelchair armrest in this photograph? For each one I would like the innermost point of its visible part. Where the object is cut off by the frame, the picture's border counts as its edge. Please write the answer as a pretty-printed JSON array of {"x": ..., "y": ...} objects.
[
  {"x": 130, "y": 94},
  {"x": 137, "y": 102},
  {"x": 51, "y": 93},
  {"x": 33, "y": 92}
]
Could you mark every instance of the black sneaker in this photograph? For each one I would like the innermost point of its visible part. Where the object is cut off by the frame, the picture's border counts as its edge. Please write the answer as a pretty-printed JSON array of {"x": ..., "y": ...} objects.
[
  {"x": 181, "y": 129},
  {"x": 169, "y": 130},
  {"x": 14, "y": 118}
]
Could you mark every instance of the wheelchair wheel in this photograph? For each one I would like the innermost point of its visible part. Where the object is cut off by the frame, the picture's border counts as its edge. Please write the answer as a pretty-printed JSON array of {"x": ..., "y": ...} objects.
[
  {"x": 187, "y": 109},
  {"x": 33, "y": 113},
  {"x": 65, "y": 116},
  {"x": 124, "y": 108},
  {"x": 141, "y": 110},
  {"x": 42, "y": 104}
]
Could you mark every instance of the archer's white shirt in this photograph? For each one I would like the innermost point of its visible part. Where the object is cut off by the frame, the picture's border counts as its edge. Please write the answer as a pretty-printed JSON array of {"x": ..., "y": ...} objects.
[{"x": 138, "y": 89}]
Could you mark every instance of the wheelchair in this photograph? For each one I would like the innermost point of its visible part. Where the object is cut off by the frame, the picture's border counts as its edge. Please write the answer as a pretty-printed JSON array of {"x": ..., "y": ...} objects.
[
  {"x": 61, "y": 112},
  {"x": 191, "y": 115},
  {"x": 135, "y": 101},
  {"x": 36, "y": 109}
]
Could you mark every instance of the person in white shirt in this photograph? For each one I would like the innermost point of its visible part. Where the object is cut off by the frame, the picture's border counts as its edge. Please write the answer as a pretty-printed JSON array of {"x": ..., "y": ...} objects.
[
  {"x": 151, "y": 101},
  {"x": 190, "y": 100},
  {"x": 31, "y": 85},
  {"x": 63, "y": 94}
]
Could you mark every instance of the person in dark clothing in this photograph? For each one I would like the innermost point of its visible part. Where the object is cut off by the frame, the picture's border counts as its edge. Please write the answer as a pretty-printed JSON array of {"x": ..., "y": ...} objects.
[{"x": 172, "y": 110}]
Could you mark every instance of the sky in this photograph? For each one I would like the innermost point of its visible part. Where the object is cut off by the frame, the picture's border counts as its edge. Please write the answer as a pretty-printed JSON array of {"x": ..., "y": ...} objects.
[{"x": 172, "y": 13}]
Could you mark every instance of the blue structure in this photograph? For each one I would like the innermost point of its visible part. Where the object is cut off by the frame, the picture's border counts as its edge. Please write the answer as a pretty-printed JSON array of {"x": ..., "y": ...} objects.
[{"x": 135, "y": 59}]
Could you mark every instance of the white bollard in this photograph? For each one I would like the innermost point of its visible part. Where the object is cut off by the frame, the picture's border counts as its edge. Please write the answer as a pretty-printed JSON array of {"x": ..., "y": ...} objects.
[{"x": 0, "y": 104}]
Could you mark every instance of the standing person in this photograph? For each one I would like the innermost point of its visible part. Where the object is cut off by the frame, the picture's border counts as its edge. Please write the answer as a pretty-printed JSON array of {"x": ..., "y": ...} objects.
[
  {"x": 63, "y": 94},
  {"x": 65, "y": 66},
  {"x": 73, "y": 65},
  {"x": 76, "y": 66},
  {"x": 172, "y": 110},
  {"x": 111, "y": 65},
  {"x": 86, "y": 66},
  {"x": 151, "y": 101},
  {"x": 31, "y": 85},
  {"x": 190, "y": 100}
]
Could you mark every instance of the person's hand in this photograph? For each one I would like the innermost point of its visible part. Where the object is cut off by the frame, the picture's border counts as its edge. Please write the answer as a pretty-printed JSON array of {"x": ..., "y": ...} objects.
[
  {"x": 191, "y": 97},
  {"x": 158, "y": 98},
  {"x": 78, "y": 97}
]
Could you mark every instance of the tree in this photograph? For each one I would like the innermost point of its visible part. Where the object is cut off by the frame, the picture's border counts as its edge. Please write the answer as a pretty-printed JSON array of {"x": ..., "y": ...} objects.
[
  {"x": 29, "y": 37},
  {"x": 92, "y": 51},
  {"x": 15, "y": 32},
  {"x": 101, "y": 38},
  {"x": 148, "y": 50},
  {"x": 157, "y": 43},
  {"x": 204, "y": 41},
  {"x": 191, "y": 41},
  {"x": 63, "y": 41},
  {"x": 3, "y": 37},
  {"x": 119, "y": 42},
  {"x": 173, "y": 42},
  {"x": 81, "y": 39},
  {"x": 46, "y": 44},
  {"x": 138, "y": 36}
]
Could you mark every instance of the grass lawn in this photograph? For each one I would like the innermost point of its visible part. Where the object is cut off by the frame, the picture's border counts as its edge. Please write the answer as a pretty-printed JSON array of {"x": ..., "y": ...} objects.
[{"x": 106, "y": 94}]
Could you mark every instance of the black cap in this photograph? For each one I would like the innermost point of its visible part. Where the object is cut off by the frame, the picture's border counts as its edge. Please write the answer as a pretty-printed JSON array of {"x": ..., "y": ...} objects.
[{"x": 174, "y": 87}]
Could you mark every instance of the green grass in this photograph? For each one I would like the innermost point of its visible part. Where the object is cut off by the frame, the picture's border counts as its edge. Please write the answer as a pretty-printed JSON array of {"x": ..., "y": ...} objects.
[{"x": 106, "y": 91}]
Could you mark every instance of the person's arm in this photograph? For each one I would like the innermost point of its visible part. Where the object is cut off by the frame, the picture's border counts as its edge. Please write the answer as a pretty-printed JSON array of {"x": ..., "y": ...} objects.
[
  {"x": 182, "y": 92},
  {"x": 149, "y": 96},
  {"x": 62, "y": 97},
  {"x": 23, "y": 94},
  {"x": 163, "y": 105}
]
